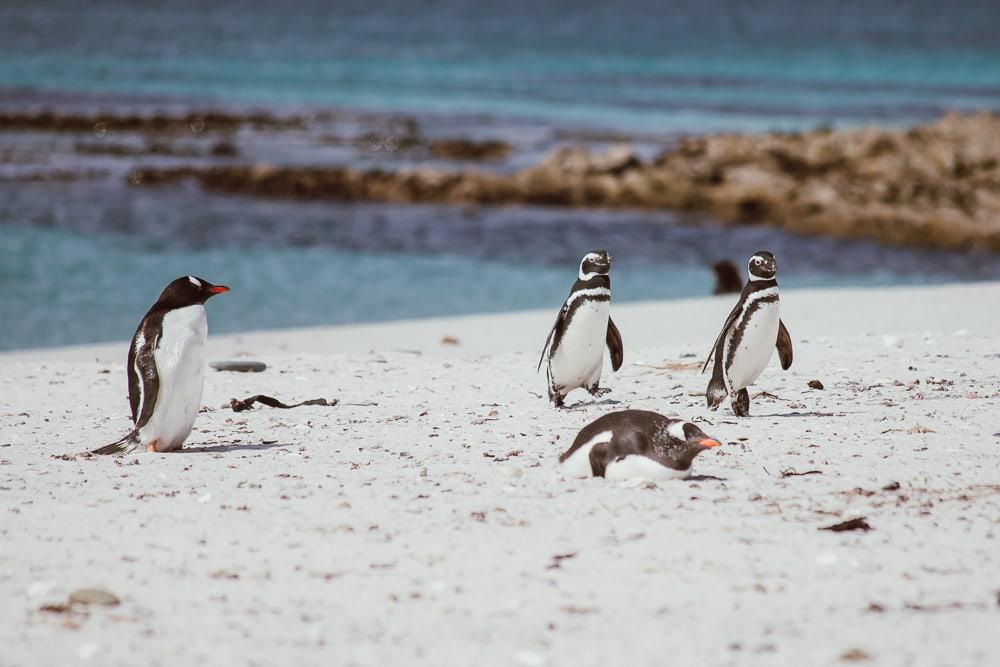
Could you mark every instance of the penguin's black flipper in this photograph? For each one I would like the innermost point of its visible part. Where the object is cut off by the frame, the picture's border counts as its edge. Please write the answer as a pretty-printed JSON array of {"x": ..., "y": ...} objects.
[
  {"x": 784, "y": 345},
  {"x": 722, "y": 334},
  {"x": 554, "y": 335},
  {"x": 600, "y": 456},
  {"x": 119, "y": 446},
  {"x": 615, "y": 346},
  {"x": 143, "y": 376}
]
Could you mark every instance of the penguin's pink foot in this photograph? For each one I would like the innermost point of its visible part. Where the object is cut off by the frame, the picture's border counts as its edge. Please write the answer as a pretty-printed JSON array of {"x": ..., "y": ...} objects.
[{"x": 153, "y": 446}]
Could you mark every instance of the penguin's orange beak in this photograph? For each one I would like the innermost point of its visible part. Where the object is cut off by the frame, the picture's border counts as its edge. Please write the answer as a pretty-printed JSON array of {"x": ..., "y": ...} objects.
[
  {"x": 218, "y": 289},
  {"x": 709, "y": 442}
]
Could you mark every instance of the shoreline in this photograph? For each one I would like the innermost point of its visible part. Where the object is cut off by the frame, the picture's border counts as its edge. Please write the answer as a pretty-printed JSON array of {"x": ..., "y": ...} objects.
[{"x": 475, "y": 332}]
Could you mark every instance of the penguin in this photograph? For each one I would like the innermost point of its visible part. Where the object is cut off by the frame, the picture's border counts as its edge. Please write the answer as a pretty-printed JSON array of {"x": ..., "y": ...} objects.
[
  {"x": 166, "y": 368},
  {"x": 751, "y": 333},
  {"x": 575, "y": 345},
  {"x": 727, "y": 278},
  {"x": 631, "y": 444}
]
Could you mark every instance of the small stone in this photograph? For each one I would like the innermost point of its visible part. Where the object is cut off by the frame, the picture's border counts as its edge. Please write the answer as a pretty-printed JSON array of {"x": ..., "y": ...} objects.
[
  {"x": 816, "y": 384},
  {"x": 855, "y": 655},
  {"x": 93, "y": 596},
  {"x": 449, "y": 340},
  {"x": 239, "y": 366}
]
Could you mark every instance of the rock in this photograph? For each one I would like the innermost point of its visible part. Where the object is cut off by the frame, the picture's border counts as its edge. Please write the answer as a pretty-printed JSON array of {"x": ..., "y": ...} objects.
[
  {"x": 571, "y": 160},
  {"x": 816, "y": 384},
  {"x": 933, "y": 186},
  {"x": 467, "y": 149},
  {"x": 224, "y": 149},
  {"x": 93, "y": 596},
  {"x": 239, "y": 366},
  {"x": 101, "y": 124},
  {"x": 614, "y": 160},
  {"x": 855, "y": 655}
]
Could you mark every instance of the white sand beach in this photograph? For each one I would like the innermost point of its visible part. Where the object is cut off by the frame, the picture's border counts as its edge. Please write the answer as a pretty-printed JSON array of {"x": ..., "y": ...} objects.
[{"x": 423, "y": 521}]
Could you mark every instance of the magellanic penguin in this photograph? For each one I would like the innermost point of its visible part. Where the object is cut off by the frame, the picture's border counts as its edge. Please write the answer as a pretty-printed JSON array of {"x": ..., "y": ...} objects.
[
  {"x": 635, "y": 444},
  {"x": 575, "y": 346},
  {"x": 166, "y": 368},
  {"x": 748, "y": 338},
  {"x": 727, "y": 278}
]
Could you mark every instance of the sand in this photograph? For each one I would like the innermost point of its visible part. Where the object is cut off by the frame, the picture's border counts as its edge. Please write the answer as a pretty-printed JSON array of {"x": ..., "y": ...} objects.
[{"x": 422, "y": 521}]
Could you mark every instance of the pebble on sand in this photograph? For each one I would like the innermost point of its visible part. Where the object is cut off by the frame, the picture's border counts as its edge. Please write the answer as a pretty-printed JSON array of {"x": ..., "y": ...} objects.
[
  {"x": 93, "y": 596},
  {"x": 239, "y": 366}
]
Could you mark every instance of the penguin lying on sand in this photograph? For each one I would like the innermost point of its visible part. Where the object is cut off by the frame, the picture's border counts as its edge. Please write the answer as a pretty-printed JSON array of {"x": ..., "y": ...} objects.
[
  {"x": 749, "y": 337},
  {"x": 166, "y": 368},
  {"x": 575, "y": 346},
  {"x": 632, "y": 444}
]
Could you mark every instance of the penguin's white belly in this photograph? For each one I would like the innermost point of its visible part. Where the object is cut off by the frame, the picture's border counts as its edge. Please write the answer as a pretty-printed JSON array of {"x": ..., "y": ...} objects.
[
  {"x": 636, "y": 466},
  {"x": 755, "y": 348},
  {"x": 578, "y": 360},
  {"x": 180, "y": 365}
]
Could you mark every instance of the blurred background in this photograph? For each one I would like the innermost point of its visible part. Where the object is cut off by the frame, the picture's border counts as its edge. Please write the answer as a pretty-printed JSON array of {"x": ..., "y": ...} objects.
[{"x": 92, "y": 93}]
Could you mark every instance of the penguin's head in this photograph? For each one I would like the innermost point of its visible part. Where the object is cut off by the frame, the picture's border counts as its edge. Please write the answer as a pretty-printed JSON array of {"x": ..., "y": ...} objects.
[
  {"x": 689, "y": 440},
  {"x": 691, "y": 434},
  {"x": 762, "y": 266},
  {"x": 189, "y": 291},
  {"x": 596, "y": 263}
]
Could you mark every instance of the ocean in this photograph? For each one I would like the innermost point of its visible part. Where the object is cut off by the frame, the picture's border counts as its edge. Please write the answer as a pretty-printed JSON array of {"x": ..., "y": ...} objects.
[{"x": 80, "y": 261}]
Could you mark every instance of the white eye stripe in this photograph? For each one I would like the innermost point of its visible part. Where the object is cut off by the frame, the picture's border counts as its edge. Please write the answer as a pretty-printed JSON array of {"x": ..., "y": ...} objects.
[
  {"x": 677, "y": 430},
  {"x": 194, "y": 281}
]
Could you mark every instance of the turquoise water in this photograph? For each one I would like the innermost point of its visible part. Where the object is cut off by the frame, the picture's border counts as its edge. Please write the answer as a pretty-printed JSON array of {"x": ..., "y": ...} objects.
[
  {"x": 80, "y": 263},
  {"x": 686, "y": 65}
]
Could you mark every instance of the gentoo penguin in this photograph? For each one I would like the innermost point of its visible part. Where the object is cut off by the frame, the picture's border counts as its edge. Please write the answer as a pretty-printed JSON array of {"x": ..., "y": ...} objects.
[
  {"x": 166, "y": 368},
  {"x": 633, "y": 444},
  {"x": 749, "y": 336},
  {"x": 727, "y": 278},
  {"x": 575, "y": 345}
]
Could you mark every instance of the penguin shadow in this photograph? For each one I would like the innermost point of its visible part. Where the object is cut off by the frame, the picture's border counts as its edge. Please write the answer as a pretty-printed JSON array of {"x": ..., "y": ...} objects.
[
  {"x": 706, "y": 478},
  {"x": 813, "y": 413},
  {"x": 215, "y": 449},
  {"x": 590, "y": 404}
]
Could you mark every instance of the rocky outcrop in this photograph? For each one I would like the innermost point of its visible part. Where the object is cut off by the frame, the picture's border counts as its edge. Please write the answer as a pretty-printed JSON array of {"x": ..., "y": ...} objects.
[
  {"x": 52, "y": 121},
  {"x": 936, "y": 186},
  {"x": 217, "y": 149},
  {"x": 467, "y": 149}
]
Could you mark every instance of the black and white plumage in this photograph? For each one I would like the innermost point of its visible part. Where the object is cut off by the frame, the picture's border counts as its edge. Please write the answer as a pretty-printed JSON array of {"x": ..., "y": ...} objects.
[
  {"x": 748, "y": 338},
  {"x": 635, "y": 444},
  {"x": 575, "y": 346},
  {"x": 166, "y": 368}
]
